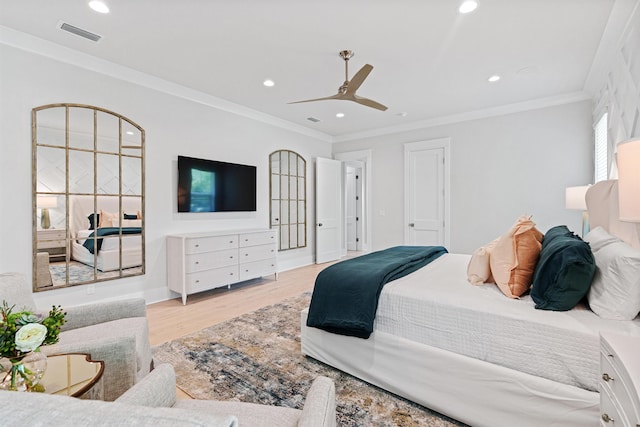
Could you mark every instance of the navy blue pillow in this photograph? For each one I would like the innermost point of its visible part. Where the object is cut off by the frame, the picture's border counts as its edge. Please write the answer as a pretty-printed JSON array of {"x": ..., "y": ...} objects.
[
  {"x": 564, "y": 272},
  {"x": 94, "y": 221}
]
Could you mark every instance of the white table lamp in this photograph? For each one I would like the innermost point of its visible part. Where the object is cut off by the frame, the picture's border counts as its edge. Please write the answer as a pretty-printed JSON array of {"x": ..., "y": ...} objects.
[
  {"x": 628, "y": 159},
  {"x": 575, "y": 200},
  {"x": 45, "y": 203}
]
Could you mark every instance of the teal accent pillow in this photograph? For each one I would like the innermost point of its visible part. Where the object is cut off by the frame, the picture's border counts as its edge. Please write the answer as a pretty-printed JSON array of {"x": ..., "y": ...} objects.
[{"x": 564, "y": 271}]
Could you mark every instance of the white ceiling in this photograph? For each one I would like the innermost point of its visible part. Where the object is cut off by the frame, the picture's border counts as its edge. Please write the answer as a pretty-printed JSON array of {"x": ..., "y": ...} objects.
[{"x": 429, "y": 61}]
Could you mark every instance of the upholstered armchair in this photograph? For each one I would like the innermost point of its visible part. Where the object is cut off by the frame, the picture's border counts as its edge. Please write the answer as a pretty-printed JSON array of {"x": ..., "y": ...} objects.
[
  {"x": 115, "y": 332},
  {"x": 152, "y": 402}
]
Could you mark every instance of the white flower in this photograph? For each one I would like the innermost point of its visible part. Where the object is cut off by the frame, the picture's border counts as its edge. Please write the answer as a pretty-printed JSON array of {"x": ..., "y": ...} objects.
[{"x": 30, "y": 336}]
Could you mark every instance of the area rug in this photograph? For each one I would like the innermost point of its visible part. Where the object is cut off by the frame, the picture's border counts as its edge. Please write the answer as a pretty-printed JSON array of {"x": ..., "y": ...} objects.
[
  {"x": 79, "y": 273},
  {"x": 256, "y": 358}
]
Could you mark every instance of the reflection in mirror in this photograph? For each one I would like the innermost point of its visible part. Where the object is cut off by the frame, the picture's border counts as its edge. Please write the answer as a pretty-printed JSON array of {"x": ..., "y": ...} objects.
[
  {"x": 88, "y": 196},
  {"x": 288, "y": 198}
]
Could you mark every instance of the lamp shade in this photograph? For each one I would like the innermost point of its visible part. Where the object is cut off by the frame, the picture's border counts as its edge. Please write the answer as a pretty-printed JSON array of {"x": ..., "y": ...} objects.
[
  {"x": 47, "y": 201},
  {"x": 628, "y": 159},
  {"x": 575, "y": 198}
]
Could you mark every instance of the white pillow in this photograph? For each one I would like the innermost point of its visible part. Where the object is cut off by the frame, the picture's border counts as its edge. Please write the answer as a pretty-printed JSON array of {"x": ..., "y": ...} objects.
[{"x": 615, "y": 290}]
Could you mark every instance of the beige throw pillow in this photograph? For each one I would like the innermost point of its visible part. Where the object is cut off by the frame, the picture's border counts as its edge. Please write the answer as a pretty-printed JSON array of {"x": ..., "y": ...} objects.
[
  {"x": 479, "y": 270},
  {"x": 514, "y": 257}
]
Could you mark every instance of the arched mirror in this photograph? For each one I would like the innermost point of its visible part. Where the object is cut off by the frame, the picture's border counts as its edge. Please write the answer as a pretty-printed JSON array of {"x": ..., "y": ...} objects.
[
  {"x": 88, "y": 196},
  {"x": 288, "y": 197}
]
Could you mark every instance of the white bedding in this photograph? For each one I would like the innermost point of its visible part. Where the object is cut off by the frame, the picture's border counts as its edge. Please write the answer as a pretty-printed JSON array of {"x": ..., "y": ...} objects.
[
  {"x": 110, "y": 243},
  {"x": 436, "y": 305}
]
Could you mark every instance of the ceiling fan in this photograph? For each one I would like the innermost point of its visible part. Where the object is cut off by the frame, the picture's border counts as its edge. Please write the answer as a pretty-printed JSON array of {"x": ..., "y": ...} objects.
[{"x": 347, "y": 92}]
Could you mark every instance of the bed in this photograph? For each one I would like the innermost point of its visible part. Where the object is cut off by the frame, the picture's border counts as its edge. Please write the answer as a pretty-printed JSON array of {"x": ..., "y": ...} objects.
[
  {"x": 474, "y": 355},
  {"x": 85, "y": 221}
]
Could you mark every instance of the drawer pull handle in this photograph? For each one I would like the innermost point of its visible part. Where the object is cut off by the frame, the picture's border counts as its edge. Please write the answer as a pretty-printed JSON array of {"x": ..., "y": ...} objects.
[
  {"x": 197, "y": 281},
  {"x": 606, "y": 418},
  {"x": 197, "y": 246},
  {"x": 197, "y": 262},
  {"x": 246, "y": 254},
  {"x": 230, "y": 241},
  {"x": 231, "y": 257},
  {"x": 606, "y": 377}
]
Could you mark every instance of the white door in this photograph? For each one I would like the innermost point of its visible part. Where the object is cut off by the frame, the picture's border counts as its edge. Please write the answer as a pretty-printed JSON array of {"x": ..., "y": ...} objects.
[
  {"x": 328, "y": 210},
  {"x": 426, "y": 193},
  {"x": 351, "y": 209}
]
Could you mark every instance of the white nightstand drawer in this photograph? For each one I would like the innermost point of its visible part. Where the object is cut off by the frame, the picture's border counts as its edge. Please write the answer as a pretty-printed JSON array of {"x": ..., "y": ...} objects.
[
  {"x": 609, "y": 415},
  {"x": 258, "y": 238},
  {"x": 619, "y": 382},
  {"x": 208, "y": 244},
  {"x": 209, "y": 260}
]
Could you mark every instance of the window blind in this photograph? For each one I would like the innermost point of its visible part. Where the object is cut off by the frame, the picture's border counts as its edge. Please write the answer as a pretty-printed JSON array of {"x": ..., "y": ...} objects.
[{"x": 600, "y": 154}]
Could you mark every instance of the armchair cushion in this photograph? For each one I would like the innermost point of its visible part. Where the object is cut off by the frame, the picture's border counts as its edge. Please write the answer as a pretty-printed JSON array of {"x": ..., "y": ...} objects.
[{"x": 158, "y": 389}]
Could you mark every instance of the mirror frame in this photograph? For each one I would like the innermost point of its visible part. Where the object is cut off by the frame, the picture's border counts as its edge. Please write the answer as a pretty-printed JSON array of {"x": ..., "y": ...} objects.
[
  {"x": 299, "y": 198},
  {"x": 126, "y": 148}
]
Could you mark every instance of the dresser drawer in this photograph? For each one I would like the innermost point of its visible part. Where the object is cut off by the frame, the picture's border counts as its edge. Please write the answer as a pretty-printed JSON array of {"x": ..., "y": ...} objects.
[
  {"x": 257, "y": 269},
  {"x": 197, "y": 245},
  {"x": 209, "y": 260},
  {"x": 210, "y": 279},
  {"x": 257, "y": 253},
  {"x": 257, "y": 238}
]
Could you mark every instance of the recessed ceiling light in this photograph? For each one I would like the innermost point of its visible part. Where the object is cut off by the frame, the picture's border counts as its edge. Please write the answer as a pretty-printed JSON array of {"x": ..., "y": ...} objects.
[
  {"x": 99, "y": 6},
  {"x": 494, "y": 78},
  {"x": 269, "y": 83},
  {"x": 467, "y": 6},
  {"x": 129, "y": 132},
  {"x": 340, "y": 115}
]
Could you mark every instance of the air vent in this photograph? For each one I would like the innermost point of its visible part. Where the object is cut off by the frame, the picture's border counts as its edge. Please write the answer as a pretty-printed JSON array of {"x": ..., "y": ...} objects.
[
  {"x": 313, "y": 119},
  {"x": 80, "y": 32}
]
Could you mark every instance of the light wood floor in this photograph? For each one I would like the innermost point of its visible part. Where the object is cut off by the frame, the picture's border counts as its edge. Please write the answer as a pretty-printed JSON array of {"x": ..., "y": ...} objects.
[{"x": 169, "y": 320}]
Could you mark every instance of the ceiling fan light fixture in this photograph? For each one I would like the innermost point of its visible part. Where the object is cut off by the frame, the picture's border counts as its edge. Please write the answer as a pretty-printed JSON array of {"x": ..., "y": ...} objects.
[
  {"x": 99, "y": 6},
  {"x": 468, "y": 6},
  {"x": 494, "y": 78},
  {"x": 269, "y": 83},
  {"x": 340, "y": 115}
]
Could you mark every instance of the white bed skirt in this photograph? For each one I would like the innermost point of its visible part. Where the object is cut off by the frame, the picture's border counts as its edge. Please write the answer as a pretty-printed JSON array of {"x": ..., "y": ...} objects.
[
  {"x": 108, "y": 260},
  {"x": 466, "y": 389}
]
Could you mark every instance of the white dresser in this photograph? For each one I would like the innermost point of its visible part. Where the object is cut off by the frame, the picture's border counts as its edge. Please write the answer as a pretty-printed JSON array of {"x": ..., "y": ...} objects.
[
  {"x": 198, "y": 262},
  {"x": 620, "y": 380}
]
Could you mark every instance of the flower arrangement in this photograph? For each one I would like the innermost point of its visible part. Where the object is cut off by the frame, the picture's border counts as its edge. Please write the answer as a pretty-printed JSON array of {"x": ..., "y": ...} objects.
[{"x": 22, "y": 333}]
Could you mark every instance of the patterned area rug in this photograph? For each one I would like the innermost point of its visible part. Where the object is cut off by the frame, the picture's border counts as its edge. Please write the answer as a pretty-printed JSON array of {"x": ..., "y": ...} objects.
[{"x": 256, "y": 358}]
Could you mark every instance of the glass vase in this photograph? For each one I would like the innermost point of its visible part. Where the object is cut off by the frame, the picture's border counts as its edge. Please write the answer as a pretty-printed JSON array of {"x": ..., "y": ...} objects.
[{"x": 23, "y": 373}]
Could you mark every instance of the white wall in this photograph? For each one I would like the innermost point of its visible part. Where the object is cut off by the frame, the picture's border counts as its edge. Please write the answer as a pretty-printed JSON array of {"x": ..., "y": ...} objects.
[
  {"x": 501, "y": 167},
  {"x": 173, "y": 126}
]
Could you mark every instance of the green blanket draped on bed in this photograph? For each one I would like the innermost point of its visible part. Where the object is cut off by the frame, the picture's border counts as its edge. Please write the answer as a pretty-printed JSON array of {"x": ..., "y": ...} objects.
[{"x": 345, "y": 296}]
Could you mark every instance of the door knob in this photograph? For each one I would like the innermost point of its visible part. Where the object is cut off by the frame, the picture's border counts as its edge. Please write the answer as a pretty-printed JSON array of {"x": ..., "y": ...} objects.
[{"x": 319, "y": 224}]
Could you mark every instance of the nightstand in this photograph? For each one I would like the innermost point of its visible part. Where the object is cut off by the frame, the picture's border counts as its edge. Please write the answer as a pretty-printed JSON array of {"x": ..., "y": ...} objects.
[
  {"x": 53, "y": 241},
  {"x": 620, "y": 380}
]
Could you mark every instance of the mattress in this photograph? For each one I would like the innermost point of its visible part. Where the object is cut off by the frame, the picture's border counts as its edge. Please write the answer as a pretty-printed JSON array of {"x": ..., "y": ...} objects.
[
  {"x": 110, "y": 243},
  {"x": 437, "y": 306}
]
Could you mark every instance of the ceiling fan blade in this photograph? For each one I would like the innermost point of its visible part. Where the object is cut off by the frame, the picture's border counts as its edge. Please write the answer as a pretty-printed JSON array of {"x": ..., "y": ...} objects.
[
  {"x": 336, "y": 96},
  {"x": 369, "y": 103},
  {"x": 358, "y": 78}
]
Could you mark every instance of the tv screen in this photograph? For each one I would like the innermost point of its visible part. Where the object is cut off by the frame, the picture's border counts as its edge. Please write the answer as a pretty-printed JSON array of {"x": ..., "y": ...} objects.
[{"x": 212, "y": 186}]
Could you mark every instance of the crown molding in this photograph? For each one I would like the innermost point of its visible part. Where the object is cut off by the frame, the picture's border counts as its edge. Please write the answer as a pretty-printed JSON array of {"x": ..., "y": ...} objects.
[
  {"x": 42, "y": 47},
  {"x": 619, "y": 20},
  {"x": 502, "y": 110}
]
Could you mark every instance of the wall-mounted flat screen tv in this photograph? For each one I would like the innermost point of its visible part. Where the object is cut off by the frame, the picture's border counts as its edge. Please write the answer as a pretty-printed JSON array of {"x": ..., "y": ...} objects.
[{"x": 213, "y": 186}]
